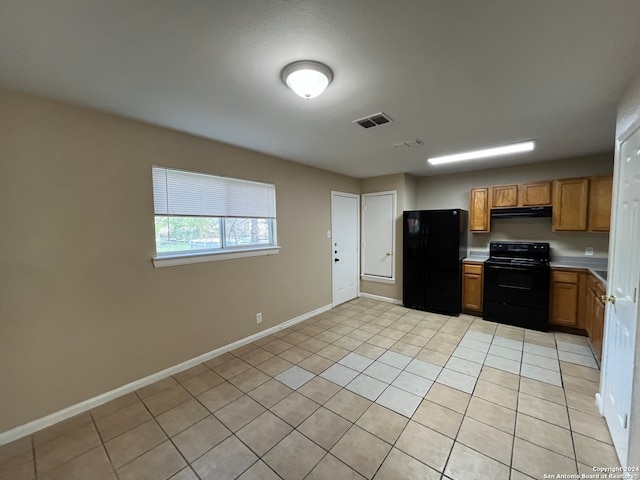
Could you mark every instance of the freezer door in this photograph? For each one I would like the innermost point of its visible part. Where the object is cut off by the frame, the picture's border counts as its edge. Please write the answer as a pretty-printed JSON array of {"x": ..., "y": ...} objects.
[{"x": 414, "y": 269}]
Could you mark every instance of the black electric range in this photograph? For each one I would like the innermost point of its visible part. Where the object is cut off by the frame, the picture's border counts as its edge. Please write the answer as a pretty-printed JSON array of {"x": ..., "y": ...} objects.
[{"x": 516, "y": 284}]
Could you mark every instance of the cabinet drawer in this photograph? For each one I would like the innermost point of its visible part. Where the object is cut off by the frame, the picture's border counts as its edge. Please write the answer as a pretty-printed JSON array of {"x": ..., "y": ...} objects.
[
  {"x": 591, "y": 283},
  {"x": 599, "y": 290},
  {"x": 565, "y": 277},
  {"x": 472, "y": 268}
]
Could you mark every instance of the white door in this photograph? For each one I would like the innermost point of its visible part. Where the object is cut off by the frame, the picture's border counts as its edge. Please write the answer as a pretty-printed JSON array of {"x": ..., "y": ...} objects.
[
  {"x": 623, "y": 284},
  {"x": 345, "y": 221},
  {"x": 378, "y": 234}
]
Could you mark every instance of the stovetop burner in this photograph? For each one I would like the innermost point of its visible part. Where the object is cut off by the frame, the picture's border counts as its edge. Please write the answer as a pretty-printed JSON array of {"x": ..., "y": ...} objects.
[
  {"x": 533, "y": 262},
  {"x": 519, "y": 253}
]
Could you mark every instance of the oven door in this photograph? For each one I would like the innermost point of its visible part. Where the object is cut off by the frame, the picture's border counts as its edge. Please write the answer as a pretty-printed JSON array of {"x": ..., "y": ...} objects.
[{"x": 523, "y": 286}]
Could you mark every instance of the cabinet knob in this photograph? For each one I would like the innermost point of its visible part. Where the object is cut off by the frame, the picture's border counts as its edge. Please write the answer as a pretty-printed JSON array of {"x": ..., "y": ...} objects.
[
  {"x": 608, "y": 298},
  {"x": 388, "y": 254}
]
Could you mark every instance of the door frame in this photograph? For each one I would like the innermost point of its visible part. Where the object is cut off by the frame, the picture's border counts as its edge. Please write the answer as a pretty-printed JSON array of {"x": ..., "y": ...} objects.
[
  {"x": 355, "y": 196},
  {"x": 371, "y": 277}
]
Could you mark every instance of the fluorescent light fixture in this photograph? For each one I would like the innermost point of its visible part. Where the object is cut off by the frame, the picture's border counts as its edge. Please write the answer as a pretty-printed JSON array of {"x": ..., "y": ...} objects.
[
  {"x": 307, "y": 79},
  {"x": 487, "y": 152}
]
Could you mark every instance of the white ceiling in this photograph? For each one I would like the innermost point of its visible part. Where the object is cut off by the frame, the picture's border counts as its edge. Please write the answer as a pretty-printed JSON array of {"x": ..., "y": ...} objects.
[{"x": 458, "y": 74}]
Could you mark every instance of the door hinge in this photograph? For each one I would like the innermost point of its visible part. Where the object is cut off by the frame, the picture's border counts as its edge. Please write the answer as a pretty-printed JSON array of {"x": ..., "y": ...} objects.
[{"x": 635, "y": 294}]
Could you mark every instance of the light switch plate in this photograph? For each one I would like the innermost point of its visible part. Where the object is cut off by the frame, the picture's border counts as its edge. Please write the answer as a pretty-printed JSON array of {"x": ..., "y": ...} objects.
[{"x": 588, "y": 251}]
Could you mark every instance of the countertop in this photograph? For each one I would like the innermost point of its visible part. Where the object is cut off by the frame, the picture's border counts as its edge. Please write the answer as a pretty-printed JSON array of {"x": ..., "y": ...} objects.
[
  {"x": 597, "y": 266},
  {"x": 475, "y": 259}
]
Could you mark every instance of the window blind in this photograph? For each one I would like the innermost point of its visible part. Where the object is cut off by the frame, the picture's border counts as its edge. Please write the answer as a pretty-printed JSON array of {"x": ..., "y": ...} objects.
[{"x": 181, "y": 193}]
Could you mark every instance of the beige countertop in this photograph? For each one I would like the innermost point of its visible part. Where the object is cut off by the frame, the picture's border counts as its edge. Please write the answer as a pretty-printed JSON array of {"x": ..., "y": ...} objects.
[{"x": 596, "y": 266}]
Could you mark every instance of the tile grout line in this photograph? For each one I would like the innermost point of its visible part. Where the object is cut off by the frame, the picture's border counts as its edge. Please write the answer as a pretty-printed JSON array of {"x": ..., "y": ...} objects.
[
  {"x": 102, "y": 444},
  {"x": 33, "y": 455},
  {"x": 350, "y": 350}
]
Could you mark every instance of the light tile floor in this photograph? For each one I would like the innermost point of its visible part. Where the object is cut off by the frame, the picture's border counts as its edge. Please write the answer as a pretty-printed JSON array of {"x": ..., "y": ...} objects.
[{"x": 366, "y": 390}]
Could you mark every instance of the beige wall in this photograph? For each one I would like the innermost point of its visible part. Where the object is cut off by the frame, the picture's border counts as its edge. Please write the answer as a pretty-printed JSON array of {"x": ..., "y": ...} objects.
[
  {"x": 628, "y": 113},
  {"x": 452, "y": 191},
  {"x": 82, "y": 310}
]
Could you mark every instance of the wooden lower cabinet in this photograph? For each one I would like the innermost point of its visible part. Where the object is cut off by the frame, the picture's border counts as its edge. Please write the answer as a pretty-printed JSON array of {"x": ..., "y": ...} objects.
[
  {"x": 472, "y": 288},
  {"x": 567, "y": 305},
  {"x": 576, "y": 303},
  {"x": 595, "y": 313}
]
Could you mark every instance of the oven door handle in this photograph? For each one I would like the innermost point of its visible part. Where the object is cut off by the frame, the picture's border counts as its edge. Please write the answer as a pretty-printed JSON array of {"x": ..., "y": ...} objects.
[
  {"x": 514, "y": 287},
  {"x": 518, "y": 269}
]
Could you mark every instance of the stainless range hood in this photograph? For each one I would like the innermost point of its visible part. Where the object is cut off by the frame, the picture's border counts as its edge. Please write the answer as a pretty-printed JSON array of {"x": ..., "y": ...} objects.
[{"x": 521, "y": 212}]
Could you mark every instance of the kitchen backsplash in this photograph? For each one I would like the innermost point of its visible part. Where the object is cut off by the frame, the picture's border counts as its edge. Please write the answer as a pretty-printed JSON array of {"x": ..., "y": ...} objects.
[{"x": 539, "y": 230}]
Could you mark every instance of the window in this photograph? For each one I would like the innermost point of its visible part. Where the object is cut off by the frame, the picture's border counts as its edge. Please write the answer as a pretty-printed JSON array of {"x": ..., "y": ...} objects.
[{"x": 206, "y": 215}]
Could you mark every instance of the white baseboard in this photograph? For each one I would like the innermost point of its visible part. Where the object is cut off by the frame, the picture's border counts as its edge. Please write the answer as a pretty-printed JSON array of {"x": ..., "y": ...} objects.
[
  {"x": 382, "y": 299},
  {"x": 39, "y": 424}
]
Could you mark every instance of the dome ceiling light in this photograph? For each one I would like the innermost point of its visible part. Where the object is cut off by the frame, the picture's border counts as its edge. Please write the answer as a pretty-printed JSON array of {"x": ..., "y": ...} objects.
[{"x": 307, "y": 78}]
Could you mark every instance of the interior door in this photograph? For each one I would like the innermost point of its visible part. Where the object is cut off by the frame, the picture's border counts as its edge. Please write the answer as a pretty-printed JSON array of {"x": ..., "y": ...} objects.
[
  {"x": 622, "y": 306},
  {"x": 345, "y": 221},
  {"x": 378, "y": 234}
]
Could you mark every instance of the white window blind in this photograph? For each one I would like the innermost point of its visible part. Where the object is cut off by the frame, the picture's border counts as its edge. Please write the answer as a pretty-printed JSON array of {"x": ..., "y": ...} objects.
[{"x": 181, "y": 193}]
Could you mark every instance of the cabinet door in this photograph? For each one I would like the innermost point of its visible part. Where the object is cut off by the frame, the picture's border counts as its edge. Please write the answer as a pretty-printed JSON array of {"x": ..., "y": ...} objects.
[
  {"x": 600, "y": 189},
  {"x": 479, "y": 209},
  {"x": 564, "y": 304},
  {"x": 504, "y": 196},
  {"x": 472, "y": 288},
  {"x": 598, "y": 325},
  {"x": 598, "y": 319},
  {"x": 589, "y": 313},
  {"x": 570, "y": 200},
  {"x": 589, "y": 304},
  {"x": 536, "y": 193}
]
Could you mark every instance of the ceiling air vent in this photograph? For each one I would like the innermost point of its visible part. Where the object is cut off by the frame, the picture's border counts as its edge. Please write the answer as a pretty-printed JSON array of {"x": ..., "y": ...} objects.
[{"x": 374, "y": 120}]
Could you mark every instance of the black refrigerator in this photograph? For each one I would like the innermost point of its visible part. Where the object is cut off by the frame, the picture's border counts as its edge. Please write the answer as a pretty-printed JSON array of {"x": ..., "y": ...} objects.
[{"x": 434, "y": 244}]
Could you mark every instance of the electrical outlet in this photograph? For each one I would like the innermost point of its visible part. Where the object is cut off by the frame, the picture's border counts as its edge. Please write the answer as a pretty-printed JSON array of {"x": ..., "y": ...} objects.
[
  {"x": 588, "y": 251},
  {"x": 259, "y": 317}
]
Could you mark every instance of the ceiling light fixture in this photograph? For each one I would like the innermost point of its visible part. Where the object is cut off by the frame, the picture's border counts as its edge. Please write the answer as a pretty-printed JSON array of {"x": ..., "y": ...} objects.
[
  {"x": 487, "y": 152},
  {"x": 307, "y": 79}
]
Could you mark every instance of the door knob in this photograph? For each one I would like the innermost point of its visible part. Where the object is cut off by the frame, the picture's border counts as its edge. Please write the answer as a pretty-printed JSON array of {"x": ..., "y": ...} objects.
[{"x": 608, "y": 298}]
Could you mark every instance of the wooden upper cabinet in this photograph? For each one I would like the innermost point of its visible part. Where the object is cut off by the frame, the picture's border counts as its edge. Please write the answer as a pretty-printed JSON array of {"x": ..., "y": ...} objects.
[
  {"x": 504, "y": 196},
  {"x": 570, "y": 200},
  {"x": 479, "y": 210},
  {"x": 535, "y": 194},
  {"x": 600, "y": 191}
]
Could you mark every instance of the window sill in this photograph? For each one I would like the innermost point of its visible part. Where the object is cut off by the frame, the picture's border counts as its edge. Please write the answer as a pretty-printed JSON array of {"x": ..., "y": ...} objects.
[
  {"x": 189, "y": 258},
  {"x": 374, "y": 278}
]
